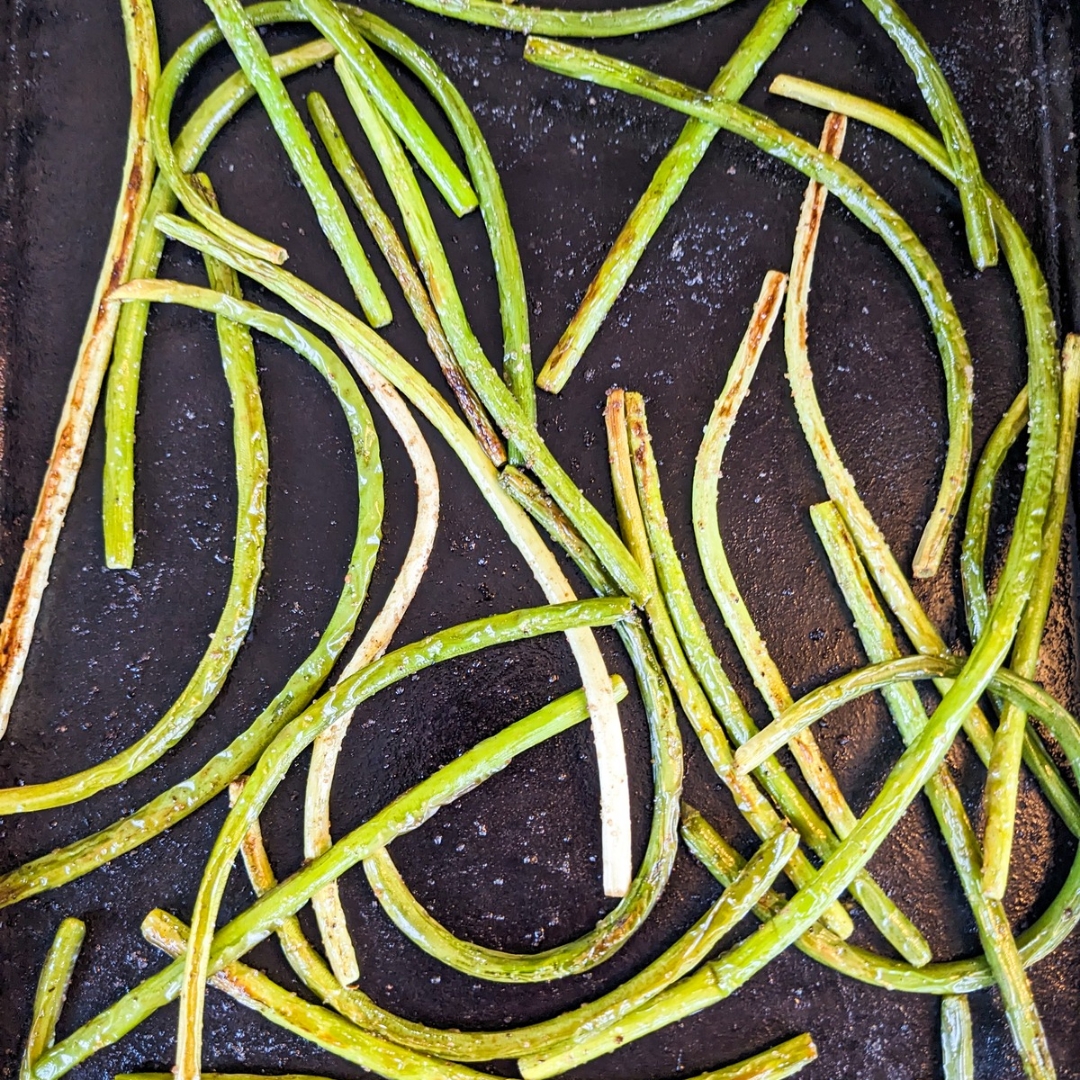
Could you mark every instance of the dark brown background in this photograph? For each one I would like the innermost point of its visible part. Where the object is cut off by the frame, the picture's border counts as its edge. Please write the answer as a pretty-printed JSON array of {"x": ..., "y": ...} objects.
[{"x": 514, "y": 864}]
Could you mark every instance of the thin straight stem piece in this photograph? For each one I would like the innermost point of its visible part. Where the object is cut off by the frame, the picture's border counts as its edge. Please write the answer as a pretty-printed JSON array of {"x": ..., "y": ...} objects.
[
  {"x": 386, "y": 236},
  {"x": 957, "y": 1046},
  {"x": 394, "y": 105},
  {"x": 1003, "y": 773},
  {"x": 84, "y": 389},
  {"x": 664, "y": 189},
  {"x": 52, "y": 989},
  {"x": 864, "y": 202},
  {"x": 780, "y": 1062},
  {"x": 907, "y": 710},
  {"x": 248, "y": 48}
]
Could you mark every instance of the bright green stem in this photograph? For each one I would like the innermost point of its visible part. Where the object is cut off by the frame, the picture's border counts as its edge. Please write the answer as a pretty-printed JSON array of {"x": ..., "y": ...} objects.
[
  {"x": 944, "y": 796},
  {"x": 121, "y": 399},
  {"x": 52, "y": 988},
  {"x": 399, "y": 111},
  {"x": 252, "y": 468},
  {"x": 861, "y": 199},
  {"x": 664, "y": 189},
  {"x": 561, "y": 23},
  {"x": 74, "y": 860},
  {"x": 390, "y": 244},
  {"x": 944, "y": 108},
  {"x": 758, "y": 811},
  {"x": 1039, "y": 324},
  {"x": 248, "y": 48},
  {"x": 977, "y": 524},
  {"x": 890, "y": 920},
  {"x": 957, "y": 1047},
  {"x": 403, "y": 814},
  {"x": 1003, "y": 776}
]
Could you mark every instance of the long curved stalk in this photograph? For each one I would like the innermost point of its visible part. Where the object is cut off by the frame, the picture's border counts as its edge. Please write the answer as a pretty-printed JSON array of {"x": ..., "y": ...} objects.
[
  {"x": 660, "y": 196},
  {"x": 324, "y": 751},
  {"x": 84, "y": 389},
  {"x": 555, "y": 22},
  {"x": 861, "y": 199},
  {"x": 252, "y": 469}
]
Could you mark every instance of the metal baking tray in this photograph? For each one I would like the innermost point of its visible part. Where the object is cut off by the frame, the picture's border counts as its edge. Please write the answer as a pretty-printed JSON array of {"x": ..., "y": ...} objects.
[{"x": 514, "y": 864}]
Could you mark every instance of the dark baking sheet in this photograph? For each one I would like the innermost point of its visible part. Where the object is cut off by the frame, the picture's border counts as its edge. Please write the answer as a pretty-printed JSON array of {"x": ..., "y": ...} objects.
[{"x": 514, "y": 864}]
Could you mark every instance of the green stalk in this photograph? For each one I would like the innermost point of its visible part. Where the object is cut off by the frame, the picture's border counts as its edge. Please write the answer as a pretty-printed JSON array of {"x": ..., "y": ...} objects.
[
  {"x": 1003, "y": 774},
  {"x": 84, "y": 388},
  {"x": 386, "y": 236},
  {"x": 52, "y": 988},
  {"x": 776, "y": 1064},
  {"x": 957, "y": 1047},
  {"x": 863, "y": 202},
  {"x": 907, "y": 710},
  {"x": 509, "y": 277},
  {"x": 664, "y": 189},
  {"x": 561, "y": 23},
  {"x": 758, "y": 811},
  {"x": 689, "y": 951},
  {"x": 1039, "y": 324},
  {"x": 944, "y": 108},
  {"x": 890, "y": 920},
  {"x": 121, "y": 397},
  {"x": 357, "y": 339},
  {"x": 403, "y": 814},
  {"x": 248, "y": 48},
  {"x": 252, "y": 468},
  {"x": 977, "y": 525},
  {"x": 399, "y": 111}
]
